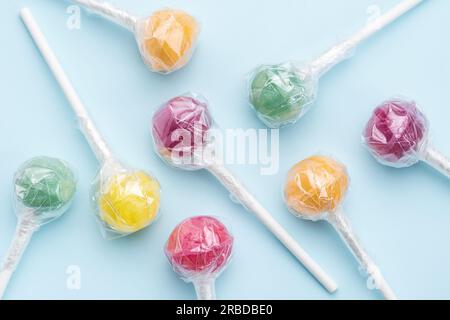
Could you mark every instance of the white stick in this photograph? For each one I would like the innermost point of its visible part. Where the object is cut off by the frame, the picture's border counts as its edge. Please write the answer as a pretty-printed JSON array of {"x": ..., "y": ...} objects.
[
  {"x": 24, "y": 231},
  {"x": 96, "y": 141},
  {"x": 205, "y": 289},
  {"x": 342, "y": 50},
  {"x": 436, "y": 160},
  {"x": 337, "y": 219},
  {"x": 110, "y": 12},
  {"x": 249, "y": 201}
]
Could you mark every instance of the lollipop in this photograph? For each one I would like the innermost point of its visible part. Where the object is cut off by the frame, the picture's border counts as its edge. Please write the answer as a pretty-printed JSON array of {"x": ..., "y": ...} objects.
[
  {"x": 166, "y": 39},
  {"x": 182, "y": 136},
  {"x": 126, "y": 200},
  {"x": 43, "y": 190},
  {"x": 397, "y": 136},
  {"x": 281, "y": 94},
  {"x": 314, "y": 190},
  {"x": 199, "y": 249}
]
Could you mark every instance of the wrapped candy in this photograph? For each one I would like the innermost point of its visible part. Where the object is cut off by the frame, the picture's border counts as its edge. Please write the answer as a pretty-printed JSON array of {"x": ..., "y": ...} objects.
[
  {"x": 281, "y": 94},
  {"x": 43, "y": 190},
  {"x": 314, "y": 190},
  {"x": 199, "y": 249},
  {"x": 180, "y": 131},
  {"x": 126, "y": 200},
  {"x": 182, "y": 134},
  {"x": 397, "y": 136},
  {"x": 166, "y": 39}
]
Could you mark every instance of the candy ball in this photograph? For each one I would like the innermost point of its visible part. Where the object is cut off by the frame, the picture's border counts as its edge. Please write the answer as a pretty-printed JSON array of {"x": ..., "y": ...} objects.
[
  {"x": 396, "y": 132},
  {"x": 314, "y": 186},
  {"x": 180, "y": 126},
  {"x": 199, "y": 246},
  {"x": 280, "y": 94},
  {"x": 129, "y": 201},
  {"x": 44, "y": 184},
  {"x": 167, "y": 39}
]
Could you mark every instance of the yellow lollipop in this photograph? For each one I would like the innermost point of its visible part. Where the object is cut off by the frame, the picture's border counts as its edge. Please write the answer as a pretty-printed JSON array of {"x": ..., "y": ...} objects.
[
  {"x": 125, "y": 200},
  {"x": 315, "y": 185},
  {"x": 130, "y": 201},
  {"x": 314, "y": 190}
]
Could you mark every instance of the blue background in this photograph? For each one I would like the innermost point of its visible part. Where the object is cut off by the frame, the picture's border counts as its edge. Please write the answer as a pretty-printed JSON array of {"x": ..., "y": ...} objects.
[{"x": 402, "y": 216}]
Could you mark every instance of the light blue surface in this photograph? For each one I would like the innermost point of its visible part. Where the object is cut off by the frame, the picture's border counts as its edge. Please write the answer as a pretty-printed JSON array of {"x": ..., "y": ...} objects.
[{"x": 402, "y": 216}]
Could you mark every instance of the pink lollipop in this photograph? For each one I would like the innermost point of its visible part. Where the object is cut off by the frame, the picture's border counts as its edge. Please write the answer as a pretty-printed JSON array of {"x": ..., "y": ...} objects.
[
  {"x": 183, "y": 135},
  {"x": 397, "y": 136},
  {"x": 199, "y": 249},
  {"x": 180, "y": 126}
]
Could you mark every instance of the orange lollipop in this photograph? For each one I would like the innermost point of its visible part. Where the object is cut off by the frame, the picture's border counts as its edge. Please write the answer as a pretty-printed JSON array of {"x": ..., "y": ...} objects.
[
  {"x": 314, "y": 190},
  {"x": 314, "y": 186},
  {"x": 166, "y": 39}
]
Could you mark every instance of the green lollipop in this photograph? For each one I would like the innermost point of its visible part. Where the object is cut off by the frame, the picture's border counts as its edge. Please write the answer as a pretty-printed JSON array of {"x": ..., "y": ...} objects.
[
  {"x": 43, "y": 189},
  {"x": 281, "y": 93},
  {"x": 44, "y": 185}
]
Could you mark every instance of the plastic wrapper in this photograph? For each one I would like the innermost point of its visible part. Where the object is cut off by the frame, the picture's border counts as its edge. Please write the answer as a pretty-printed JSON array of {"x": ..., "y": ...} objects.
[
  {"x": 397, "y": 135},
  {"x": 125, "y": 200},
  {"x": 315, "y": 189},
  {"x": 199, "y": 249},
  {"x": 43, "y": 190},
  {"x": 281, "y": 94},
  {"x": 181, "y": 130},
  {"x": 315, "y": 186},
  {"x": 166, "y": 39}
]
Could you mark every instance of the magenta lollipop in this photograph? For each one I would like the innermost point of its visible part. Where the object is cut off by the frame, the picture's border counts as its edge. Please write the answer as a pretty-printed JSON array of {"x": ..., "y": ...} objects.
[
  {"x": 199, "y": 249},
  {"x": 183, "y": 136},
  {"x": 397, "y": 136},
  {"x": 180, "y": 130}
]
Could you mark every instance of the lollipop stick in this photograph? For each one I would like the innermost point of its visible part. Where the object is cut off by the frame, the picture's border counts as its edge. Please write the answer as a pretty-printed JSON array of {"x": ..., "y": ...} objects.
[
  {"x": 436, "y": 160},
  {"x": 205, "y": 289},
  {"x": 24, "y": 231},
  {"x": 342, "y": 50},
  {"x": 96, "y": 141},
  {"x": 337, "y": 219},
  {"x": 110, "y": 12},
  {"x": 249, "y": 201}
]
